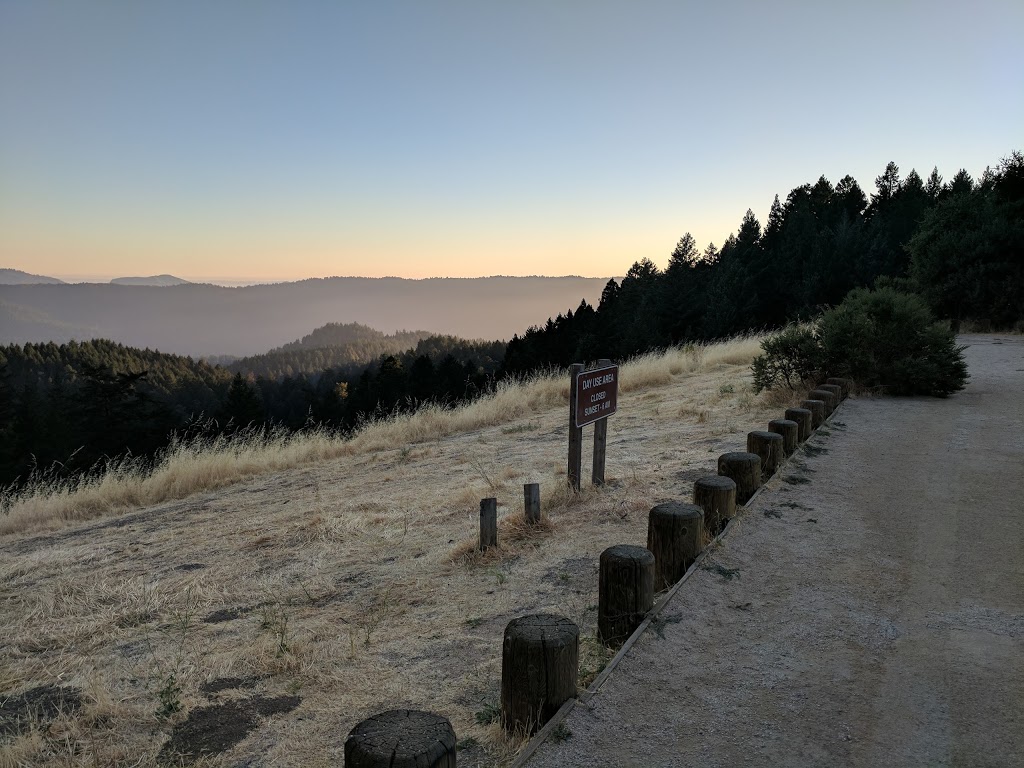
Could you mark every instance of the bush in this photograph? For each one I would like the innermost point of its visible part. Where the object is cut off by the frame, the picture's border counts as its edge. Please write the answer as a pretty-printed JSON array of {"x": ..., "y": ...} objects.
[
  {"x": 883, "y": 338},
  {"x": 791, "y": 357},
  {"x": 889, "y": 339}
]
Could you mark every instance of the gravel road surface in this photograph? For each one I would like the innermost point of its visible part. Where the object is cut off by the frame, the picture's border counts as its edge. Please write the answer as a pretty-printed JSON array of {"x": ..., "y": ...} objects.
[{"x": 866, "y": 610}]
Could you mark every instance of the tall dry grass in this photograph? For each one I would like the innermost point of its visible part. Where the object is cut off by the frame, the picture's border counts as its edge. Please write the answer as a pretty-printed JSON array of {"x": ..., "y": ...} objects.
[{"x": 204, "y": 464}]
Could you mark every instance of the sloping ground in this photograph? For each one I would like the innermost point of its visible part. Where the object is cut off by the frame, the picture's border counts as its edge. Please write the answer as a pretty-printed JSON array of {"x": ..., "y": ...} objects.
[
  {"x": 268, "y": 617},
  {"x": 873, "y": 616}
]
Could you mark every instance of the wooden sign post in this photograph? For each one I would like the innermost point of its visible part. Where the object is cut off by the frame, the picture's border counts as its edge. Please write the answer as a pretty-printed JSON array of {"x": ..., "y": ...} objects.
[
  {"x": 593, "y": 397},
  {"x": 575, "y": 431}
]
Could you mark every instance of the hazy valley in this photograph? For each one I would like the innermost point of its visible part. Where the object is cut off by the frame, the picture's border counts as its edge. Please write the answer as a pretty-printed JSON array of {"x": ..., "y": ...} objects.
[{"x": 200, "y": 320}]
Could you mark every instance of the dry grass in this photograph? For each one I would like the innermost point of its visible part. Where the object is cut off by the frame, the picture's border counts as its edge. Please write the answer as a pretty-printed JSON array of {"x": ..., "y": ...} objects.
[
  {"x": 342, "y": 572},
  {"x": 203, "y": 465}
]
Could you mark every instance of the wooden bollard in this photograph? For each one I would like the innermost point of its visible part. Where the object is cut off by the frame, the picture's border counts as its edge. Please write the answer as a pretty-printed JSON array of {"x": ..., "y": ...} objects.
[
  {"x": 488, "y": 523},
  {"x": 817, "y": 409},
  {"x": 401, "y": 737},
  {"x": 802, "y": 417},
  {"x": 716, "y": 495},
  {"x": 625, "y": 591},
  {"x": 845, "y": 384},
  {"x": 745, "y": 471},
  {"x": 767, "y": 445},
  {"x": 675, "y": 536},
  {"x": 835, "y": 389},
  {"x": 539, "y": 666},
  {"x": 827, "y": 397},
  {"x": 531, "y": 502},
  {"x": 790, "y": 432}
]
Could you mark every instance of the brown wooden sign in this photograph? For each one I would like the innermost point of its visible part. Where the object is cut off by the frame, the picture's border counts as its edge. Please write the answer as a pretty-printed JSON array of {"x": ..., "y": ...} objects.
[{"x": 596, "y": 394}]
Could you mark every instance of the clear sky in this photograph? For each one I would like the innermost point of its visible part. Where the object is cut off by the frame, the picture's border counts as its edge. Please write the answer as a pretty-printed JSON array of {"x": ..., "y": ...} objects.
[{"x": 282, "y": 140}]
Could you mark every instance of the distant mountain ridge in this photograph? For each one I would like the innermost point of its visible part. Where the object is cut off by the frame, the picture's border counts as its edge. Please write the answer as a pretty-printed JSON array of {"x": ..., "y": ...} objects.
[
  {"x": 202, "y": 319},
  {"x": 155, "y": 280},
  {"x": 17, "y": 277},
  {"x": 26, "y": 324}
]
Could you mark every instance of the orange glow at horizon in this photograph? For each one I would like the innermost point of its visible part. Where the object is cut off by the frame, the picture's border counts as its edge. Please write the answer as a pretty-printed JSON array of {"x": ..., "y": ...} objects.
[{"x": 281, "y": 256}]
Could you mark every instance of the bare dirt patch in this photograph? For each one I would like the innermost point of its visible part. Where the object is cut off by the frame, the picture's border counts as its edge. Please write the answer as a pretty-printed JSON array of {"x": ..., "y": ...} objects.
[
  {"x": 215, "y": 729},
  {"x": 36, "y": 706}
]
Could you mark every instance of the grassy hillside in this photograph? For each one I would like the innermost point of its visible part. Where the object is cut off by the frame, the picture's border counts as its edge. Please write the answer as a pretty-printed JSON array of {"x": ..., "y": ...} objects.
[{"x": 341, "y": 572}]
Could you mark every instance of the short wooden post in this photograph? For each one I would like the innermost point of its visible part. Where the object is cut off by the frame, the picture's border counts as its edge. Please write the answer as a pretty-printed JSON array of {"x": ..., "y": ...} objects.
[
  {"x": 769, "y": 446},
  {"x": 488, "y": 523},
  {"x": 539, "y": 666},
  {"x": 790, "y": 432},
  {"x": 745, "y": 470},
  {"x": 575, "y": 469},
  {"x": 625, "y": 591},
  {"x": 826, "y": 397},
  {"x": 401, "y": 737},
  {"x": 531, "y": 502},
  {"x": 836, "y": 391},
  {"x": 675, "y": 536},
  {"x": 817, "y": 409},
  {"x": 845, "y": 384},
  {"x": 600, "y": 441},
  {"x": 716, "y": 495},
  {"x": 802, "y": 417}
]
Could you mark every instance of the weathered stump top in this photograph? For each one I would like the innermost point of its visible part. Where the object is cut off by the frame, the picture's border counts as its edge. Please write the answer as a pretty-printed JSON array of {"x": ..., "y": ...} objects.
[
  {"x": 676, "y": 509},
  {"x": 739, "y": 457},
  {"x": 405, "y": 738},
  {"x": 718, "y": 482},
  {"x": 624, "y": 552},
  {"x": 543, "y": 627}
]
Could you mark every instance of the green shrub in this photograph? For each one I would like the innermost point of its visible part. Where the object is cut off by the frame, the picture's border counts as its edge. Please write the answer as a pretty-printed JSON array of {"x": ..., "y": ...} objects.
[
  {"x": 884, "y": 338},
  {"x": 889, "y": 339},
  {"x": 791, "y": 357}
]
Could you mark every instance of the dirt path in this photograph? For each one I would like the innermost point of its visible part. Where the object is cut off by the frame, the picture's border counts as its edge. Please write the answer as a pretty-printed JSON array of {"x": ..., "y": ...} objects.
[{"x": 872, "y": 616}]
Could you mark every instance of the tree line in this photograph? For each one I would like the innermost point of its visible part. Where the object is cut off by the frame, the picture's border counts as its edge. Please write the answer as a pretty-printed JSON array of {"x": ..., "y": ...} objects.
[
  {"x": 67, "y": 409},
  {"x": 959, "y": 244}
]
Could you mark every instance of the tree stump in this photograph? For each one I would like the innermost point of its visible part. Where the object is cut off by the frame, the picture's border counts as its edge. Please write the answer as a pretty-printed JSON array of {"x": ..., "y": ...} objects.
[
  {"x": 716, "y": 495},
  {"x": 531, "y": 502},
  {"x": 767, "y": 445},
  {"x": 835, "y": 389},
  {"x": 802, "y": 417},
  {"x": 401, "y": 738},
  {"x": 817, "y": 409},
  {"x": 539, "y": 666},
  {"x": 488, "y": 523},
  {"x": 675, "y": 536},
  {"x": 745, "y": 470},
  {"x": 826, "y": 397},
  {"x": 845, "y": 384},
  {"x": 625, "y": 591},
  {"x": 790, "y": 432}
]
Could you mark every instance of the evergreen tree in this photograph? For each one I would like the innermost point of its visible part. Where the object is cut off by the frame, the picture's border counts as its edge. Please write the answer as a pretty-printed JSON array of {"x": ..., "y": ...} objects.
[{"x": 243, "y": 406}]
